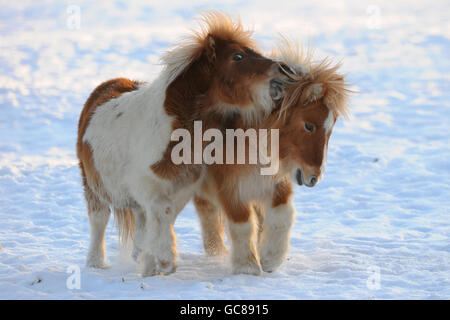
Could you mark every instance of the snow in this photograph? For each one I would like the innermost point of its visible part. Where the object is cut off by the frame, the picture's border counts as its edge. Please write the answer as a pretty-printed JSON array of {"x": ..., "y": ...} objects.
[{"x": 377, "y": 226}]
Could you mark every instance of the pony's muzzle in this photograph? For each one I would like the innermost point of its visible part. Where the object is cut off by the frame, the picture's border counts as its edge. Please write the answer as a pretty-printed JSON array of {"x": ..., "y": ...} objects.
[
  {"x": 282, "y": 75},
  {"x": 301, "y": 179},
  {"x": 286, "y": 70},
  {"x": 276, "y": 89},
  {"x": 288, "y": 75}
]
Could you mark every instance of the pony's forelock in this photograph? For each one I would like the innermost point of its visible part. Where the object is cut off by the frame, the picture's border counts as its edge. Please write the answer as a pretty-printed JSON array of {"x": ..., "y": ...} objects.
[
  {"x": 220, "y": 25},
  {"x": 314, "y": 80},
  {"x": 214, "y": 24}
]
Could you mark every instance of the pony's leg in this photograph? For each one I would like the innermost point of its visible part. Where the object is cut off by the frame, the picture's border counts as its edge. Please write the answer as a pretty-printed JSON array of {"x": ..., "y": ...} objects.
[
  {"x": 98, "y": 213},
  {"x": 242, "y": 234},
  {"x": 160, "y": 250},
  {"x": 259, "y": 212},
  {"x": 212, "y": 227},
  {"x": 274, "y": 239},
  {"x": 139, "y": 233}
]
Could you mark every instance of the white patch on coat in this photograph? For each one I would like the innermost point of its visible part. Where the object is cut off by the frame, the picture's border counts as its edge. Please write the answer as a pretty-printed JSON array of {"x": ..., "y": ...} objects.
[
  {"x": 244, "y": 256},
  {"x": 328, "y": 126},
  {"x": 263, "y": 101},
  {"x": 274, "y": 239},
  {"x": 124, "y": 147},
  {"x": 329, "y": 122}
]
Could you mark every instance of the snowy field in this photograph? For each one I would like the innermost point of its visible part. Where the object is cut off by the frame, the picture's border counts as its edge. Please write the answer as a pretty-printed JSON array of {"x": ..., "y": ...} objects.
[{"x": 377, "y": 226}]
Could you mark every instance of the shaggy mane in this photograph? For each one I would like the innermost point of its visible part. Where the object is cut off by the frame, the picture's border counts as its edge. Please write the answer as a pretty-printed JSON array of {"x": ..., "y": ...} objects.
[
  {"x": 314, "y": 80},
  {"x": 212, "y": 23}
]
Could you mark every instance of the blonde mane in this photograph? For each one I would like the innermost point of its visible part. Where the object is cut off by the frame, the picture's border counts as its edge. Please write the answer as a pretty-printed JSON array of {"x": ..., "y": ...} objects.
[
  {"x": 313, "y": 80},
  {"x": 213, "y": 24}
]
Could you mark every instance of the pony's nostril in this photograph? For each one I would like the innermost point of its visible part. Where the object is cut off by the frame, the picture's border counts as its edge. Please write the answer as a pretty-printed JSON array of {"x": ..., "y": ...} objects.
[
  {"x": 298, "y": 176},
  {"x": 313, "y": 180},
  {"x": 285, "y": 69}
]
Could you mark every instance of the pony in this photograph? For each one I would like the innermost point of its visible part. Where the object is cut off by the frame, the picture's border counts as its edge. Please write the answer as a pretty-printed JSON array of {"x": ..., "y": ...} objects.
[
  {"x": 258, "y": 208},
  {"x": 124, "y": 131}
]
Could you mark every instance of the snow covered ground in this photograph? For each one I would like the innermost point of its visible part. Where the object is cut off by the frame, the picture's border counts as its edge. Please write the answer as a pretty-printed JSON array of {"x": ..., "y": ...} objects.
[{"x": 377, "y": 226}]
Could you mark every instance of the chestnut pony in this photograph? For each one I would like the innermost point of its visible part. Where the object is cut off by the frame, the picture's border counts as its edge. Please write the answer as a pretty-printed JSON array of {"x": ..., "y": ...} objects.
[
  {"x": 125, "y": 127},
  {"x": 305, "y": 120}
]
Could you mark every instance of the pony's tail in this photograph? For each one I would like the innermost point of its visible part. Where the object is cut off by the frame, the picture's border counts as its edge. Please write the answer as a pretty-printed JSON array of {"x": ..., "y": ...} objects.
[{"x": 125, "y": 224}]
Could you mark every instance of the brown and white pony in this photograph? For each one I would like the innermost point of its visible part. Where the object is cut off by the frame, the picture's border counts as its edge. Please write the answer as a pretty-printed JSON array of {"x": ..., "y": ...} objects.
[
  {"x": 305, "y": 121},
  {"x": 125, "y": 127}
]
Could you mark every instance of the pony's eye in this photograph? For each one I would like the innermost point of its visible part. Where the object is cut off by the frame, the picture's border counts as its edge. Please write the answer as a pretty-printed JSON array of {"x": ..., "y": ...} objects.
[
  {"x": 238, "y": 57},
  {"x": 309, "y": 127}
]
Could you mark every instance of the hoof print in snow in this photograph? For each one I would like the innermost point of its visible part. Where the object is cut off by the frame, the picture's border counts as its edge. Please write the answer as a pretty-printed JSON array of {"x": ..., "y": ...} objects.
[{"x": 38, "y": 280}]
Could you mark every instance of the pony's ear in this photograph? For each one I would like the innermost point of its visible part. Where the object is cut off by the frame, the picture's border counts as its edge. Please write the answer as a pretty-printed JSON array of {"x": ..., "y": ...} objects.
[
  {"x": 210, "y": 48},
  {"x": 311, "y": 93}
]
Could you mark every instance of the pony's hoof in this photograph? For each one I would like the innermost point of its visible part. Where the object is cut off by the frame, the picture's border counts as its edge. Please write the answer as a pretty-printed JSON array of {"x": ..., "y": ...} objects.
[
  {"x": 248, "y": 268},
  {"x": 150, "y": 273},
  {"x": 149, "y": 268},
  {"x": 166, "y": 267},
  {"x": 97, "y": 264},
  {"x": 269, "y": 266},
  {"x": 271, "y": 259}
]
